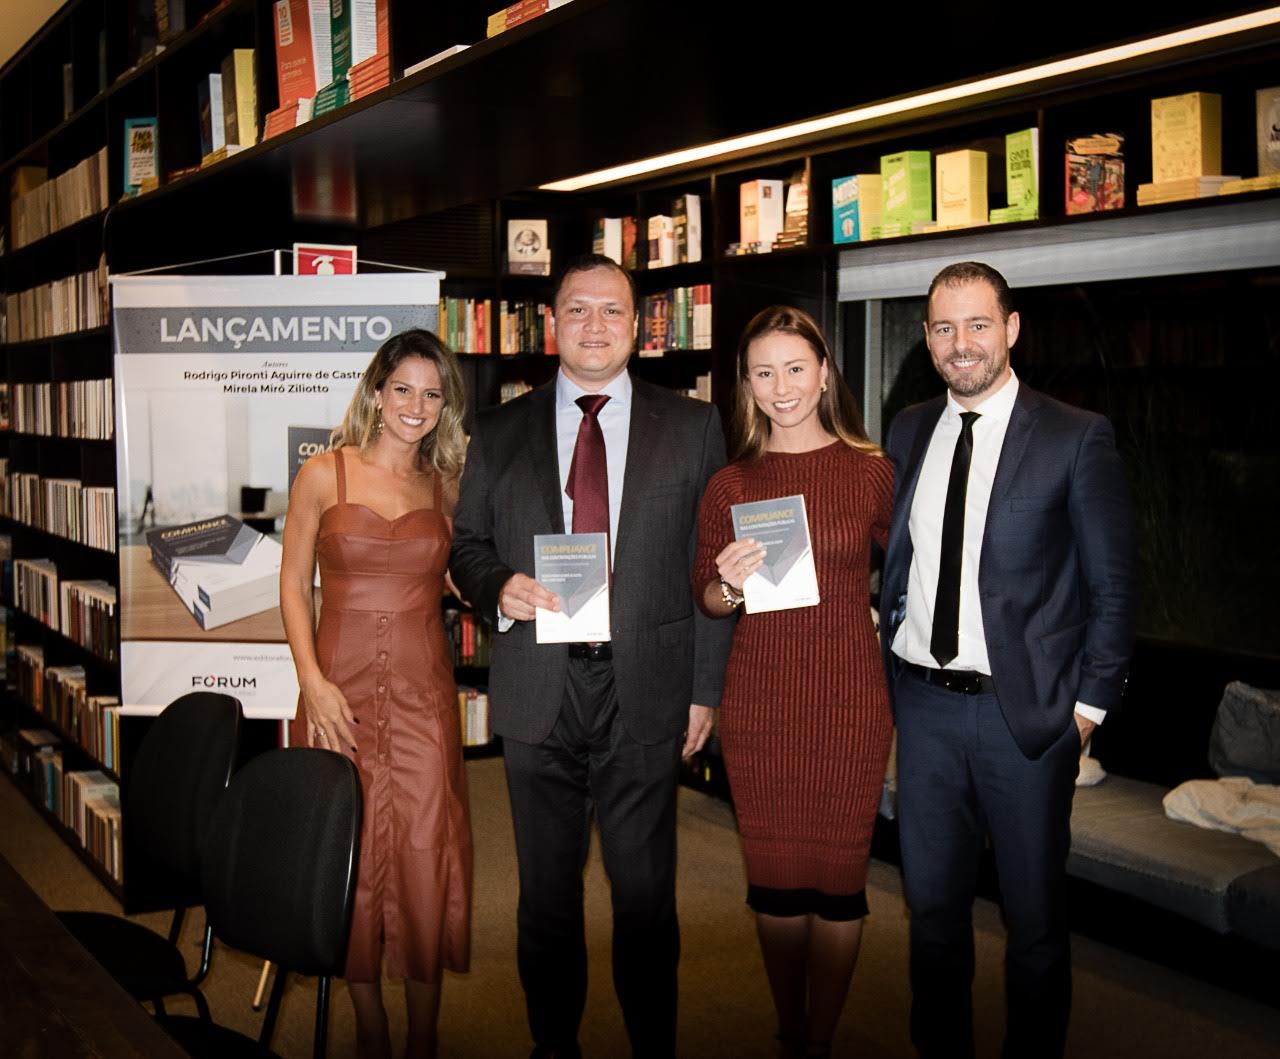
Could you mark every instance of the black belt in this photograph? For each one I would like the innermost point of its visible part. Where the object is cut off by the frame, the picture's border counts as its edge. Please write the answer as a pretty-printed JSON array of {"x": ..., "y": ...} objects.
[
  {"x": 964, "y": 681},
  {"x": 592, "y": 652}
]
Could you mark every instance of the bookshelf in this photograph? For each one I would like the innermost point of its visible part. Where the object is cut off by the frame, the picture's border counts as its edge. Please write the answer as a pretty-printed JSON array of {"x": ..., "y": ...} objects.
[{"x": 427, "y": 172}]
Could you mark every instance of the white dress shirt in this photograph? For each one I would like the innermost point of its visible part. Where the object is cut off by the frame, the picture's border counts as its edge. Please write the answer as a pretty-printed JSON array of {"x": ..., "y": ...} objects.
[
  {"x": 927, "y": 507},
  {"x": 615, "y": 424}
]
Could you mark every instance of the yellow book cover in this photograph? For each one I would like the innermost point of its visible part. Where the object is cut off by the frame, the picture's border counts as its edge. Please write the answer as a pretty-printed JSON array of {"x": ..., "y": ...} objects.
[
  {"x": 961, "y": 178},
  {"x": 1186, "y": 136},
  {"x": 240, "y": 98},
  {"x": 870, "y": 203}
]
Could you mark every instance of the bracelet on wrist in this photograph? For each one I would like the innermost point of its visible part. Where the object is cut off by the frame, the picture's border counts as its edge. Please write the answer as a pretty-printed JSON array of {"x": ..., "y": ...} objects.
[{"x": 732, "y": 596}]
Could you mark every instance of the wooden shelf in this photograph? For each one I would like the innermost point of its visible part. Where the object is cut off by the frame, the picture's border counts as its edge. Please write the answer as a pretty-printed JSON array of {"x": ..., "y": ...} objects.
[
  {"x": 51, "y": 340},
  {"x": 43, "y": 720}
]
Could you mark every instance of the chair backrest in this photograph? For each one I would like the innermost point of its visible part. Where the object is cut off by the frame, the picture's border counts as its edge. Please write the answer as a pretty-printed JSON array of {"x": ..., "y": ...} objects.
[
  {"x": 182, "y": 767},
  {"x": 279, "y": 865}
]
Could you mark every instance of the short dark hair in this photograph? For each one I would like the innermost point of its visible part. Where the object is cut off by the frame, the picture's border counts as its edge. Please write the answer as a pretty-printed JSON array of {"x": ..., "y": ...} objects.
[
  {"x": 973, "y": 272},
  {"x": 589, "y": 263}
]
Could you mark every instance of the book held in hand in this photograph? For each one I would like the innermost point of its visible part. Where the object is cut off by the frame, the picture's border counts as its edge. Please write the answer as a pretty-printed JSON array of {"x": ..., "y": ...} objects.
[
  {"x": 787, "y": 579},
  {"x": 575, "y": 566}
]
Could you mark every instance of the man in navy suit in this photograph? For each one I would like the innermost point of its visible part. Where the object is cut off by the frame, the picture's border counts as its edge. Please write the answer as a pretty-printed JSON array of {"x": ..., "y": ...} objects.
[{"x": 1009, "y": 589}]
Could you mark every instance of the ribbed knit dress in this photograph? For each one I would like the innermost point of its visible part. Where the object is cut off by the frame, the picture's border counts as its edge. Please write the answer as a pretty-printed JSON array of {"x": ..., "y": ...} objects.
[{"x": 804, "y": 720}]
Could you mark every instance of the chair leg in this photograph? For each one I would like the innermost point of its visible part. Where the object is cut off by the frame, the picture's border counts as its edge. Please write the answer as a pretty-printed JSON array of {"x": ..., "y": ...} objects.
[
  {"x": 159, "y": 1005},
  {"x": 273, "y": 1008},
  {"x": 202, "y": 1005},
  {"x": 322, "y": 1018}
]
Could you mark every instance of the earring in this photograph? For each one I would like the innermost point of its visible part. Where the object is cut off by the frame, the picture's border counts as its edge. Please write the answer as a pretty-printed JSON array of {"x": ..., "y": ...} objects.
[
  {"x": 824, "y": 387},
  {"x": 377, "y": 422}
]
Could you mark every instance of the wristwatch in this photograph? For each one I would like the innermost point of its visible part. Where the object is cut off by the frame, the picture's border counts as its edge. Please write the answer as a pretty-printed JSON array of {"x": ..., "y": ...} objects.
[{"x": 730, "y": 595}]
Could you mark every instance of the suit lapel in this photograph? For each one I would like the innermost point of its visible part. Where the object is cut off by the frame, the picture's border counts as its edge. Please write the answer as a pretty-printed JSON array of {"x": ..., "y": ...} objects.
[
  {"x": 1022, "y": 421},
  {"x": 644, "y": 438},
  {"x": 930, "y": 413},
  {"x": 544, "y": 452}
]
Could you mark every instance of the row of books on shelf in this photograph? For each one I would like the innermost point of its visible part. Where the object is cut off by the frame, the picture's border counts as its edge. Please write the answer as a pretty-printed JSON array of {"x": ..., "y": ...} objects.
[
  {"x": 677, "y": 319},
  {"x": 40, "y": 206},
  {"x": 473, "y": 715},
  {"x": 525, "y": 327},
  {"x": 673, "y": 238},
  {"x": 61, "y": 694},
  {"x": 84, "y": 408},
  {"x": 518, "y": 13},
  {"x": 84, "y": 611},
  {"x": 917, "y": 191},
  {"x": 464, "y": 324},
  {"x": 74, "y": 303},
  {"x": 62, "y": 506},
  {"x": 470, "y": 639},
  {"x": 87, "y": 802}
]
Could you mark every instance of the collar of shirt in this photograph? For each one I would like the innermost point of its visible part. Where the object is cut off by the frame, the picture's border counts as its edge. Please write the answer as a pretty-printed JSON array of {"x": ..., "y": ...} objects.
[
  {"x": 618, "y": 389},
  {"x": 996, "y": 408}
]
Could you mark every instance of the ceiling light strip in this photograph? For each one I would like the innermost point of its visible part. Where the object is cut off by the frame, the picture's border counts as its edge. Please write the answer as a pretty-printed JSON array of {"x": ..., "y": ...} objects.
[{"x": 849, "y": 118}]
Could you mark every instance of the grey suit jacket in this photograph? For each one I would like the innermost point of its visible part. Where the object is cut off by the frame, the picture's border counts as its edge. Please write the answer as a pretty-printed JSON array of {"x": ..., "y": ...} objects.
[
  {"x": 1057, "y": 575},
  {"x": 666, "y": 653}
]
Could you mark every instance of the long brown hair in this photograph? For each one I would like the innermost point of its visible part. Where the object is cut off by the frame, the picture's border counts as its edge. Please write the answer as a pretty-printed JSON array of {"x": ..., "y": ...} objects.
[
  {"x": 838, "y": 412},
  {"x": 445, "y": 447}
]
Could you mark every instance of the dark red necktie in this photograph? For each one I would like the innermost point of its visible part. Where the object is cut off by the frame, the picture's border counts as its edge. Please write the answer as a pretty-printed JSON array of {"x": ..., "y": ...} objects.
[{"x": 588, "y": 485}]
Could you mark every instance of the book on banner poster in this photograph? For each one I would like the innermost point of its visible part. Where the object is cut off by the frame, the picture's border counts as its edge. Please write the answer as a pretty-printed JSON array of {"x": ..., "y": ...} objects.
[
  {"x": 305, "y": 442},
  {"x": 240, "y": 98},
  {"x": 141, "y": 153},
  {"x": 304, "y": 49},
  {"x": 220, "y": 568},
  {"x": 528, "y": 249},
  {"x": 607, "y": 238},
  {"x": 575, "y": 566},
  {"x": 787, "y": 579},
  {"x": 1186, "y": 136},
  {"x": 1268, "y": 112},
  {"x": 961, "y": 179},
  {"x": 906, "y": 191},
  {"x": 325, "y": 259}
]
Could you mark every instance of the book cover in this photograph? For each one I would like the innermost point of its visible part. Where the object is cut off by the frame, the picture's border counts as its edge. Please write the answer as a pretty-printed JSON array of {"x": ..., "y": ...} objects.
[
  {"x": 212, "y": 126},
  {"x": 240, "y": 98},
  {"x": 528, "y": 249},
  {"x": 1094, "y": 173},
  {"x": 608, "y": 238},
  {"x": 1268, "y": 113},
  {"x": 1022, "y": 171},
  {"x": 1186, "y": 136},
  {"x": 141, "y": 153},
  {"x": 220, "y": 568},
  {"x": 629, "y": 256},
  {"x": 575, "y": 566},
  {"x": 304, "y": 50},
  {"x": 962, "y": 188},
  {"x": 787, "y": 579},
  {"x": 770, "y": 211},
  {"x": 906, "y": 190},
  {"x": 305, "y": 442},
  {"x": 844, "y": 210},
  {"x": 359, "y": 31},
  {"x": 748, "y": 212}
]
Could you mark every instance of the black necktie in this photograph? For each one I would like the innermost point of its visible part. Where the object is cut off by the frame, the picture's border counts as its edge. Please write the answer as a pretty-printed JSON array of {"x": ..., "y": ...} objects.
[{"x": 945, "y": 643}]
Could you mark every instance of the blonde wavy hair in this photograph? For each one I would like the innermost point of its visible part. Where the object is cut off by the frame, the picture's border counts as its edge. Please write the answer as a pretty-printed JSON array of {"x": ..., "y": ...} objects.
[
  {"x": 837, "y": 410},
  {"x": 445, "y": 447}
]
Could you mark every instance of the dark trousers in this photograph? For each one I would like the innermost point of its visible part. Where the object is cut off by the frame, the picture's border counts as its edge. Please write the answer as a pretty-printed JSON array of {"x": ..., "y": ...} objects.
[
  {"x": 589, "y": 762},
  {"x": 960, "y": 777}
]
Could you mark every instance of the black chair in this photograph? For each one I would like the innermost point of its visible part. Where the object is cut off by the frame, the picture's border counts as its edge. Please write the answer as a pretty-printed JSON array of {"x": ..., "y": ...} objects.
[
  {"x": 279, "y": 878},
  {"x": 173, "y": 785}
]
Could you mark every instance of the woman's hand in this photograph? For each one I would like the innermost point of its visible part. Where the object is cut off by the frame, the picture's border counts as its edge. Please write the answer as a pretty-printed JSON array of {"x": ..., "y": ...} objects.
[
  {"x": 329, "y": 718},
  {"x": 739, "y": 561}
]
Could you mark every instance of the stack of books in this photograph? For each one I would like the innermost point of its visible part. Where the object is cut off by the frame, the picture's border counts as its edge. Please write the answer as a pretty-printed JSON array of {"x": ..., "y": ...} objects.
[
  {"x": 290, "y": 116},
  {"x": 795, "y": 218},
  {"x": 523, "y": 11},
  {"x": 370, "y": 75},
  {"x": 1186, "y": 149}
]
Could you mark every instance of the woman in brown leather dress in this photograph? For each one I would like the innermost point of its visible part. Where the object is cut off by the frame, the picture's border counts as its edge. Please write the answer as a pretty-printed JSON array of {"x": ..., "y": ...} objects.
[{"x": 377, "y": 677}]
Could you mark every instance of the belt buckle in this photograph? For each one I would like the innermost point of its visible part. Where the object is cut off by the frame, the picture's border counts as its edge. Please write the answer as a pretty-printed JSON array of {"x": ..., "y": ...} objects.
[{"x": 966, "y": 682}]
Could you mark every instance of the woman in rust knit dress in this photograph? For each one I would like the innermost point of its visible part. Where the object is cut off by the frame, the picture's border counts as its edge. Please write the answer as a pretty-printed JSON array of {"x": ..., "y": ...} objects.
[
  {"x": 804, "y": 720},
  {"x": 377, "y": 675}
]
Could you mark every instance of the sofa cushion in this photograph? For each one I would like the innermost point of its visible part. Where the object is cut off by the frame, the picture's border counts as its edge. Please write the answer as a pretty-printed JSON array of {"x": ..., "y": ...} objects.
[
  {"x": 1253, "y": 906},
  {"x": 1246, "y": 734},
  {"x": 1121, "y": 839}
]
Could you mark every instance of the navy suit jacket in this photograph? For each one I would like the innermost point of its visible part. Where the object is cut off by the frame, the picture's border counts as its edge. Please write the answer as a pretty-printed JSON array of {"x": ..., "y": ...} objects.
[{"x": 1057, "y": 573}]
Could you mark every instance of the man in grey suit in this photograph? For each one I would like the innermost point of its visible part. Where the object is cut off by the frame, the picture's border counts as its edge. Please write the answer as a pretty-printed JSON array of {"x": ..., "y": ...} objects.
[
  {"x": 595, "y": 727},
  {"x": 1010, "y": 594}
]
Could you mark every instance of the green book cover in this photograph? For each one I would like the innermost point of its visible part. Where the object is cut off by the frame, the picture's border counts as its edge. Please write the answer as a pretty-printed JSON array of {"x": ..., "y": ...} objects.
[
  {"x": 1022, "y": 170},
  {"x": 906, "y": 189}
]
